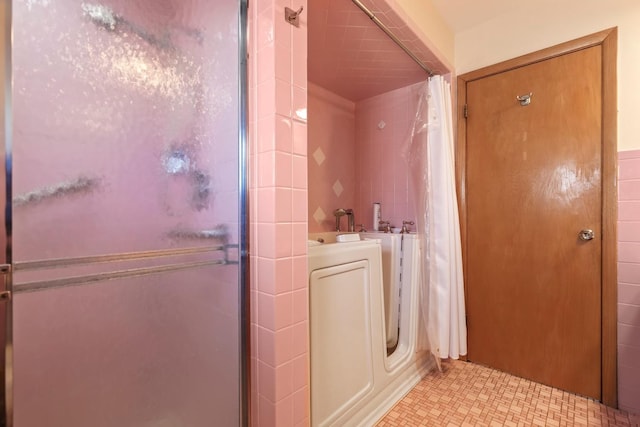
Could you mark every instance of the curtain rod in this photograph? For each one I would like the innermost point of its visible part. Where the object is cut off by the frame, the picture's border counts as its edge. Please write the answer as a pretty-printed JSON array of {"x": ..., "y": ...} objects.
[{"x": 392, "y": 36}]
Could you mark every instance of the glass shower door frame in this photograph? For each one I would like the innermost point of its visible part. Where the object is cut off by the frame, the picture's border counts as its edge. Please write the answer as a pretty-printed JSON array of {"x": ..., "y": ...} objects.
[
  {"x": 6, "y": 326},
  {"x": 6, "y": 316}
]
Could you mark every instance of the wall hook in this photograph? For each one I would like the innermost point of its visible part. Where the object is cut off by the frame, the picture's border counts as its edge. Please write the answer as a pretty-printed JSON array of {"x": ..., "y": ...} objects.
[
  {"x": 524, "y": 99},
  {"x": 292, "y": 16}
]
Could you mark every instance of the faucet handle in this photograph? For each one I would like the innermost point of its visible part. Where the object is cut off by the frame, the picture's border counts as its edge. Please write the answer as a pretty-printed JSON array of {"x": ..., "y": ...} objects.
[
  {"x": 362, "y": 229},
  {"x": 386, "y": 226},
  {"x": 405, "y": 229}
]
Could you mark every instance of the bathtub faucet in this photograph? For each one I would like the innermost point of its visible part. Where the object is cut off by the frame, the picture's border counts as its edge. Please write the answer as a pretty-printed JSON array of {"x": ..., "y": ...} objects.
[
  {"x": 351, "y": 220},
  {"x": 339, "y": 213}
]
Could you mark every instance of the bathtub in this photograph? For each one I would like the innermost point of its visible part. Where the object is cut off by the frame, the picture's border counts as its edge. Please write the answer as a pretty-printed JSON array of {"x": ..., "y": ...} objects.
[{"x": 356, "y": 376}]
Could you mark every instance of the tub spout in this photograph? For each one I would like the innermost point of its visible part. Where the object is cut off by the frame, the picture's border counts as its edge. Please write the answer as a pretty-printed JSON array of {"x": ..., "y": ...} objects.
[
  {"x": 339, "y": 213},
  {"x": 351, "y": 220}
]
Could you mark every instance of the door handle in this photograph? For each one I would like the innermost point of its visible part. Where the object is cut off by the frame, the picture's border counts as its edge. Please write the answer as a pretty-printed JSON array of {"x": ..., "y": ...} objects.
[
  {"x": 586, "y": 234},
  {"x": 5, "y": 269}
]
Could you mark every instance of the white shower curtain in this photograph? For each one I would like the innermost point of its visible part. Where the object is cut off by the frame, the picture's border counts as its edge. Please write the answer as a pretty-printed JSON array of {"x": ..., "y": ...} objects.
[{"x": 429, "y": 153}]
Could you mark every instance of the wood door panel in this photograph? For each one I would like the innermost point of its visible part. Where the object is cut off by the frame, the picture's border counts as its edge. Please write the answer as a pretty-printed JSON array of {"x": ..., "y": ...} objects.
[{"x": 533, "y": 182}]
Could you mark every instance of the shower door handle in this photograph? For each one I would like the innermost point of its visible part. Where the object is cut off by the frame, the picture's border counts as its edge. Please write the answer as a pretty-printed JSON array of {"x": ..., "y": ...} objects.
[{"x": 5, "y": 269}]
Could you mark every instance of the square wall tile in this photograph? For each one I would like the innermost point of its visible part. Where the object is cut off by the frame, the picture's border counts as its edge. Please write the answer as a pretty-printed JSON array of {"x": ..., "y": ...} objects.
[
  {"x": 283, "y": 309},
  {"x": 266, "y": 346},
  {"x": 299, "y": 172},
  {"x": 301, "y": 406},
  {"x": 266, "y": 271},
  {"x": 266, "y": 133},
  {"x": 283, "y": 167},
  {"x": 266, "y": 416},
  {"x": 299, "y": 204},
  {"x": 299, "y": 138},
  {"x": 300, "y": 273},
  {"x": 282, "y": 204},
  {"x": 283, "y": 98},
  {"x": 629, "y": 252},
  {"x": 266, "y": 99},
  {"x": 300, "y": 372},
  {"x": 283, "y": 340},
  {"x": 283, "y": 243},
  {"x": 300, "y": 339},
  {"x": 266, "y": 169},
  {"x": 266, "y": 69},
  {"x": 267, "y": 381},
  {"x": 300, "y": 306},
  {"x": 267, "y": 204},
  {"x": 265, "y": 28},
  {"x": 266, "y": 239},
  {"x": 284, "y": 268},
  {"x": 284, "y": 383},
  {"x": 299, "y": 238},
  {"x": 299, "y": 103},
  {"x": 267, "y": 311},
  {"x": 284, "y": 134},
  {"x": 282, "y": 62},
  {"x": 299, "y": 61}
]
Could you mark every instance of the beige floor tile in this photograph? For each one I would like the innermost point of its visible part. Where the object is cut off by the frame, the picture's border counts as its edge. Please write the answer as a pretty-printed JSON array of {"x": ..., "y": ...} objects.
[{"x": 465, "y": 394}]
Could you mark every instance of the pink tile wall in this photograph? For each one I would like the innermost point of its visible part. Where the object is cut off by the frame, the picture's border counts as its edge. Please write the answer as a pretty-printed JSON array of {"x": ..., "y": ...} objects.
[
  {"x": 383, "y": 126},
  {"x": 629, "y": 281},
  {"x": 355, "y": 156},
  {"x": 278, "y": 216},
  {"x": 332, "y": 158}
]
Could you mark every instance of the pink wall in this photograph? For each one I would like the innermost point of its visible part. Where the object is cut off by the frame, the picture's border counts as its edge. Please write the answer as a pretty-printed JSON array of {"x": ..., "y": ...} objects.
[
  {"x": 629, "y": 281},
  {"x": 331, "y": 160},
  {"x": 278, "y": 221},
  {"x": 383, "y": 124},
  {"x": 353, "y": 162}
]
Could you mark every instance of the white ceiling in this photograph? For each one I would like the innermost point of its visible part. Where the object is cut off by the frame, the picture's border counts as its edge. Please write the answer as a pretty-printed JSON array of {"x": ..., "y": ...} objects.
[{"x": 461, "y": 15}]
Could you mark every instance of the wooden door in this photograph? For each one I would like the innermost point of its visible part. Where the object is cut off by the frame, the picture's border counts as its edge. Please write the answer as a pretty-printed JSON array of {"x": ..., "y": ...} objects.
[{"x": 533, "y": 182}]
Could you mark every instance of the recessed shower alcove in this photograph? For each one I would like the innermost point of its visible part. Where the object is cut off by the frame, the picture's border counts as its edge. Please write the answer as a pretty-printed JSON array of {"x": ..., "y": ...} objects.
[{"x": 362, "y": 99}]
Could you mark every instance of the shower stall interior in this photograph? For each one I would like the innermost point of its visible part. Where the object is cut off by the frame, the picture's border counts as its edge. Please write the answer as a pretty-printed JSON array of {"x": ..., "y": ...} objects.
[{"x": 125, "y": 229}]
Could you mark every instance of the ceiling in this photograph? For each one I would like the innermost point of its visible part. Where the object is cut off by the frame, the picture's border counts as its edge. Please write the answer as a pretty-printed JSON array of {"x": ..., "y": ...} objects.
[
  {"x": 460, "y": 15},
  {"x": 350, "y": 56}
]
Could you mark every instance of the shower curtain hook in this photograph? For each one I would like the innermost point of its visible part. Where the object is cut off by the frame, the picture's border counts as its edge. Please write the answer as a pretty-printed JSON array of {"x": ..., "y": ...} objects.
[{"x": 293, "y": 16}]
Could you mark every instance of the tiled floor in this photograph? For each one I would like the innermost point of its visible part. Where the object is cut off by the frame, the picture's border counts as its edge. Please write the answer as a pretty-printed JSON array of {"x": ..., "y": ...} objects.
[{"x": 471, "y": 395}]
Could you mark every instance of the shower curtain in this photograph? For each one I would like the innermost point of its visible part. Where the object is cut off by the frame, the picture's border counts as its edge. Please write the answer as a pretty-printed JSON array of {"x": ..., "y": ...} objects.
[{"x": 429, "y": 154}]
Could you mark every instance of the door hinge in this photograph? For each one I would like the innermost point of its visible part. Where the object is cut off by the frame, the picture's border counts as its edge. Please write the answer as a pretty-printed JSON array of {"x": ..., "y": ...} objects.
[{"x": 466, "y": 111}]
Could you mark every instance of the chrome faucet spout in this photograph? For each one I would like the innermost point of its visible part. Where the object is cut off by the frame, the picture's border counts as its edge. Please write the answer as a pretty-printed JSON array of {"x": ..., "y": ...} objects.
[
  {"x": 339, "y": 213},
  {"x": 351, "y": 220}
]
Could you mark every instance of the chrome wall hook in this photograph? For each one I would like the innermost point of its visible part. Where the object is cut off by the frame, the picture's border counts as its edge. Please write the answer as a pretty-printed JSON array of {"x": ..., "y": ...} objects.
[
  {"x": 524, "y": 99},
  {"x": 292, "y": 16}
]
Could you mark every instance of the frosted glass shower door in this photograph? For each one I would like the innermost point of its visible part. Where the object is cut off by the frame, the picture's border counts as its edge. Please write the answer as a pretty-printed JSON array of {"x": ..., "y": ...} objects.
[{"x": 125, "y": 213}]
